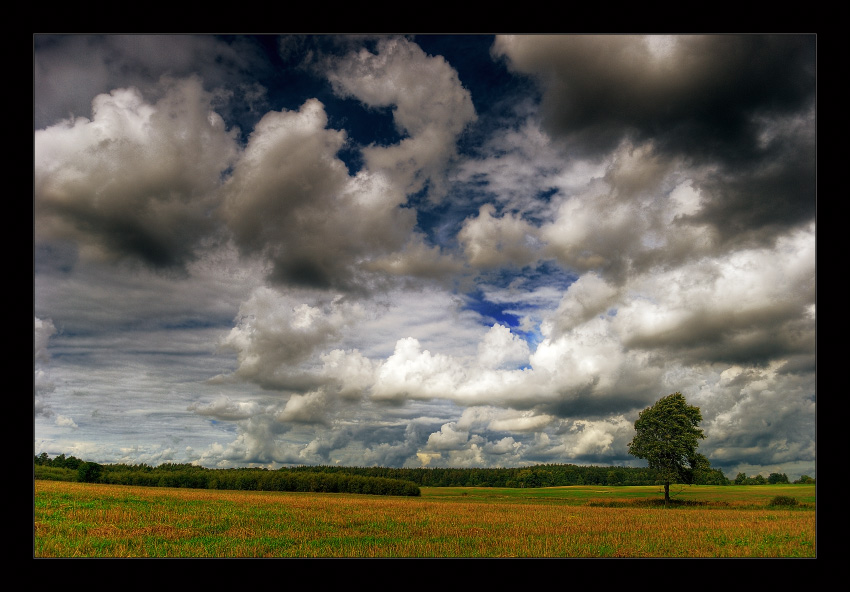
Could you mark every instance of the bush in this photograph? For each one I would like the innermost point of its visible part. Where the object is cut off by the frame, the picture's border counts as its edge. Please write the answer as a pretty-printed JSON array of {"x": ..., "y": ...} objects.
[
  {"x": 784, "y": 500},
  {"x": 54, "y": 473}
]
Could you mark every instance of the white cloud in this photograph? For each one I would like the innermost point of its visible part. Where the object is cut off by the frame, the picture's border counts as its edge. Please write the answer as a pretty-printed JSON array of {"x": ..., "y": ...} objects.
[
  {"x": 502, "y": 348},
  {"x": 430, "y": 107},
  {"x": 311, "y": 407},
  {"x": 448, "y": 438},
  {"x": 727, "y": 305},
  {"x": 588, "y": 438},
  {"x": 44, "y": 329},
  {"x": 352, "y": 372},
  {"x": 63, "y": 421},
  {"x": 492, "y": 242},
  {"x": 139, "y": 179},
  {"x": 417, "y": 260},
  {"x": 275, "y": 333},
  {"x": 224, "y": 408},
  {"x": 291, "y": 200},
  {"x": 520, "y": 422},
  {"x": 588, "y": 297},
  {"x": 416, "y": 373}
]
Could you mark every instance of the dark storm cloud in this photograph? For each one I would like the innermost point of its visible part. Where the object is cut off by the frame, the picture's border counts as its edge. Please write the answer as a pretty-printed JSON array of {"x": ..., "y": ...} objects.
[
  {"x": 693, "y": 95},
  {"x": 772, "y": 430},
  {"x": 739, "y": 105},
  {"x": 69, "y": 70},
  {"x": 755, "y": 206},
  {"x": 591, "y": 402},
  {"x": 735, "y": 337}
]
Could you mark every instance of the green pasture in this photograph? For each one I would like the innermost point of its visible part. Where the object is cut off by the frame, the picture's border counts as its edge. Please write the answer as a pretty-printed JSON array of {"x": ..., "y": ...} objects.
[
  {"x": 752, "y": 495},
  {"x": 97, "y": 520}
]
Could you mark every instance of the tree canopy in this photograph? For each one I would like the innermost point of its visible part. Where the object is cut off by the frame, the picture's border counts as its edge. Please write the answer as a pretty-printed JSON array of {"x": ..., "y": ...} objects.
[{"x": 667, "y": 435}]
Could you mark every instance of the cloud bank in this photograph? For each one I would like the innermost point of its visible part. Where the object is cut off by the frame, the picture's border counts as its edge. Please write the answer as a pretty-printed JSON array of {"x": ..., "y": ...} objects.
[{"x": 361, "y": 250}]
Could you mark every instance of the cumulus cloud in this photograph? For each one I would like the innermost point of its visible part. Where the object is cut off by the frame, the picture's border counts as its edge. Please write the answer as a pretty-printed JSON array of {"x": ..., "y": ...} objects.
[
  {"x": 604, "y": 349},
  {"x": 508, "y": 420},
  {"x": 758, "y": 416},
  {"x": 223, "y": 408},
  {"x": 42, "y": 387},
  {"x": 502, "y": 348},
  {"x": 429, "y": 104},
  {"x": 748, "y": 307},
  {"x": 138, "y": 180},
  {"x": 589, "y": 373},
  {"x": 43, "y": 331},
  {"x": 696, "y": 93},
  {"x": 257, "y": 443},
  {"x": 63, "y": 421},
  {"x": 307, "y": 408},
  {"x": 448, "y": 438},
  {"x": 593, "y": 438},
  {"x": 291, "y": 200},
  {"x": 413, "y": 372},
  {"x": 492, "y": 242},
  {"x": 417, "y": 261},
  {"x": 69, "y": 69},
  {"x": 588, "y": 297},
  {"x": 731, "y": 103},
  {"x": 275, "y": 334},
  {"x": 350, "y": 372}
]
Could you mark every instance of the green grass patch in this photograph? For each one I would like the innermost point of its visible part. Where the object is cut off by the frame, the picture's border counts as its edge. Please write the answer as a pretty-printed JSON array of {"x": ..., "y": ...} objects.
[{"x": 86, "y": 520}]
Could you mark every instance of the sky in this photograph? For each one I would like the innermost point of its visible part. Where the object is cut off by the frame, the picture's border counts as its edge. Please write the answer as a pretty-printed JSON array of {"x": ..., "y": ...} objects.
[{"x": 423, "y": 250}]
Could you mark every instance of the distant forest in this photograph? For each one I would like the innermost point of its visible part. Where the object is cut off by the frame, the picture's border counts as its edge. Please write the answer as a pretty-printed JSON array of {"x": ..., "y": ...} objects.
[
  {"x": 373, "y": 480},
  {"x": 69, "y": 468},
  {"x": 550, "y": 475}
]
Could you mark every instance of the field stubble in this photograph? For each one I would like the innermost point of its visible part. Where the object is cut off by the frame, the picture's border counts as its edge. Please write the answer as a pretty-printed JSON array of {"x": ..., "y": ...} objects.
[{"x": 83, "y": 520}]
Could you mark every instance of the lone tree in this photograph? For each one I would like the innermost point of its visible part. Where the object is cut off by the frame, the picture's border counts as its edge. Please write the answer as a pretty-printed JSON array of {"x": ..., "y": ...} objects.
[{"x": 666, "y": 436}]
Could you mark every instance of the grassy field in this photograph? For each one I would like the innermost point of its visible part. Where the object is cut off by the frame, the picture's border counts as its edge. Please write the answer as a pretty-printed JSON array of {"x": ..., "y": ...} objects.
[{"x": 84, "y": 520}]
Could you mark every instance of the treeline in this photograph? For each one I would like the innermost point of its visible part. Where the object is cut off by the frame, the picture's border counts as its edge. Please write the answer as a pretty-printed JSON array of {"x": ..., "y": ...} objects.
[
  {"x": 64, "y": 468},
  {"x": 772, "y": 479},
  {"x": 551, "y": 475},
  {"x": 371, "y": 480},
  {"x": 375, "y": 480}
]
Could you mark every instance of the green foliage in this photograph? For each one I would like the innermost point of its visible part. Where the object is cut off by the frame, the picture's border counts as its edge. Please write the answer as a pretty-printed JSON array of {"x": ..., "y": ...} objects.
[
  {"x": 784, "y": 500},
  {"x": 549, "y": 475},
  {"x": 773, "y": 479},
  {"x": 340, "y": 478},
  {"x": 667, "y": 436},
  {"x": 709, "y": 476},
  {"x": 191, "y": 476},
  {"x": 89, "y": 472},
  {"x": 805, "y": 479},
  {"x": 776, "y": 478},
  {"x": 48, "y": 473},
  {"x": 62, "y": 462}
]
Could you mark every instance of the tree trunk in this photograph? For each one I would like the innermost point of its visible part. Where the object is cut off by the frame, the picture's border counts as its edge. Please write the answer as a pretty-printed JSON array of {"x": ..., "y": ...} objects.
[{"x": 666, "y": 492}]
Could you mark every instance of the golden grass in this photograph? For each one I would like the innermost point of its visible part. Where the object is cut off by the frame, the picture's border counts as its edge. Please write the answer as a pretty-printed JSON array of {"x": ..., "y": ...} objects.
[{"x": 83, "y": 520}]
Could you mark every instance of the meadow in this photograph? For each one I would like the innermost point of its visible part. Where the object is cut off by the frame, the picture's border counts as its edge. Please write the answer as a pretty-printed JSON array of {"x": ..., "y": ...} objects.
[{"x": 94, "y": 520}]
